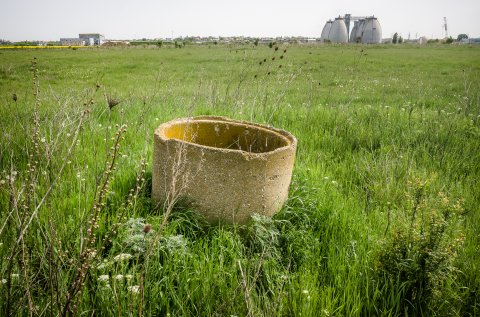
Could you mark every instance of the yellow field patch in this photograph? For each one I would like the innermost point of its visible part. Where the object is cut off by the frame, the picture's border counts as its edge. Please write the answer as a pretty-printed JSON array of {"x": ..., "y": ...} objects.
[{"x": 37, "y": 47}]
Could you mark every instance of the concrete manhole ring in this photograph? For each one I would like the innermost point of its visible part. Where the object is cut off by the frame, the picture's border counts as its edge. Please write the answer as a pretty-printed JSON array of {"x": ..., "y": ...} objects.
[{"x": 228, "y": 169}]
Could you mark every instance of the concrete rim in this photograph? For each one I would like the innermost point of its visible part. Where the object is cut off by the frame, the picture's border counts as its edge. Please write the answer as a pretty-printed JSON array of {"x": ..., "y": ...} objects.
[{"x": 291, "y": 141}]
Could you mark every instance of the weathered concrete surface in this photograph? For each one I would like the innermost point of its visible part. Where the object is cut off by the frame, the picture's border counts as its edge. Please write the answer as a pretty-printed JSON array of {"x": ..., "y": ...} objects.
[{"x": 228, "y": 169}]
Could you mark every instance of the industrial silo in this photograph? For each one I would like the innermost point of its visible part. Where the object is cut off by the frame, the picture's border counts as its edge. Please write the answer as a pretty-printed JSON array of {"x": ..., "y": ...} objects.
[
  {"x": 338, "y": 31},
  {"x": 326, "y": 30},
  {"x": 372, "y": 31},
  {"x": 359, "y": 31},
  {"x": 353, "y": 34}
]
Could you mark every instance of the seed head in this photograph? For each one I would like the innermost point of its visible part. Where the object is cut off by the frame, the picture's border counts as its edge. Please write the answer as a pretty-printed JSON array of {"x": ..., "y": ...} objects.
[
  {"x": 147, "y": 228},
  {"x": 112, "y": 102}
]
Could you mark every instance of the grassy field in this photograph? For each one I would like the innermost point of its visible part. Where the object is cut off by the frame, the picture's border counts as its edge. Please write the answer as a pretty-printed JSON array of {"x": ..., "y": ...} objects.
[{"x": 383, "y": 212}]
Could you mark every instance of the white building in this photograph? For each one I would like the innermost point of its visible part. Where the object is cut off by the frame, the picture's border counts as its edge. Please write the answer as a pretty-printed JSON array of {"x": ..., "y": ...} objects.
[
  {"x": 92, "y": 38},
  {"x": 72, "y": 42}
]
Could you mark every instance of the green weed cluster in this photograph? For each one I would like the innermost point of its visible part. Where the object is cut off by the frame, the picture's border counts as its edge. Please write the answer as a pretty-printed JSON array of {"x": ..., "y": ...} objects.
[{"x": 417, "y": 261}]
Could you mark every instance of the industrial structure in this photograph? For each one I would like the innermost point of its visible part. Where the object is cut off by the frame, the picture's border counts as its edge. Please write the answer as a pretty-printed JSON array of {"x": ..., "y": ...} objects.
[
  {"x": 338, "y": 32},
  {"x": 445, "y": 27},
  {"x": 72, "y": 42},
  {"x": 366, "y": 29},
  {"x": 92, "y": 38},
  {"x": 85, "y": 39}
]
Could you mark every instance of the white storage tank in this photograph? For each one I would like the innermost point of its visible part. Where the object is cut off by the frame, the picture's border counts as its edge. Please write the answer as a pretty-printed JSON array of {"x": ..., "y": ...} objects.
[
  {"x": 326, "y": 30},
  {"x": 338, "y": 31},
  {"x": 372, "y": 31},
  {"x": 353, "y": 34}
]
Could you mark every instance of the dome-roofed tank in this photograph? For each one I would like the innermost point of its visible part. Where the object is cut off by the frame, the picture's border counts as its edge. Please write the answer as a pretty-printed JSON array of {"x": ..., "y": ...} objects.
[
  {"x": 353, "y": 39},
  {"x": 326, "y": 30},
  {"x": 372, "y": 31},
  {"x": 338, "y": 31}
]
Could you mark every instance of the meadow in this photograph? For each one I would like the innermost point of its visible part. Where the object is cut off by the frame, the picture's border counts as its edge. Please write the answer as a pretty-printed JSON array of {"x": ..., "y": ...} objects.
[{"x": 383, "y": 212}]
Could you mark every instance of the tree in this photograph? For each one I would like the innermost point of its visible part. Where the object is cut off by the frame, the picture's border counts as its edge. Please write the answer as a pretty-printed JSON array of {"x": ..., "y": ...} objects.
[
  {"x": 462, "y": 36},
  {"x": 395, "y": 38},
  {"x": 256, "y": 42},
  {"x": 400, "y": 40}
]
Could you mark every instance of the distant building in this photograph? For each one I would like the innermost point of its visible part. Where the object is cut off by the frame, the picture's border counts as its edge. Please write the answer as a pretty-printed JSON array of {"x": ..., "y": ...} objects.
[
  {"x": 92, "y": 38},
  {"x": 473, "y": 40},
  {"x": 85, "y": 39},
  {"x": 422, "y": 40},
  {"x": 72, "y": 42}
]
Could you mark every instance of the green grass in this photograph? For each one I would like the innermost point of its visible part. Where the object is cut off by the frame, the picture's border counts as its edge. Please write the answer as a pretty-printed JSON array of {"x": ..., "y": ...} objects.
[{"x": 382, "y": 217}]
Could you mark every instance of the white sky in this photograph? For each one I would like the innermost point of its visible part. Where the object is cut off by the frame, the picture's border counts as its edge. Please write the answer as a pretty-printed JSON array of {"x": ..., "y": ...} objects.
[{"x": 128, "y": 19}]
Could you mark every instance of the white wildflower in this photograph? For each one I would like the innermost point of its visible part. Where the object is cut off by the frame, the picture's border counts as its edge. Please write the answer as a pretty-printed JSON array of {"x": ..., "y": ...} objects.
[
  {"x": 129, "y": 277},
  {"x": 14, "y": 276},
  {"x": 42, "y": 140},
  {"x": 103, "y": 265},
  {"x": 4, "y": 281},
  {"x": 105, "y": 287},
  {"x": 119, "y": 277},
  {"x": 122, "y": 257},
  {"x": 103, "y": 278},
  {"x": 135, "y": 289},
  {"x": 305, "y": 291}
]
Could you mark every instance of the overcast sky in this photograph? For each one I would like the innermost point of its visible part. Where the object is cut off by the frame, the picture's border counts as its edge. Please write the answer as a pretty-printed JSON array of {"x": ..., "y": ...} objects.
[{"x": 128, "y": 19}]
